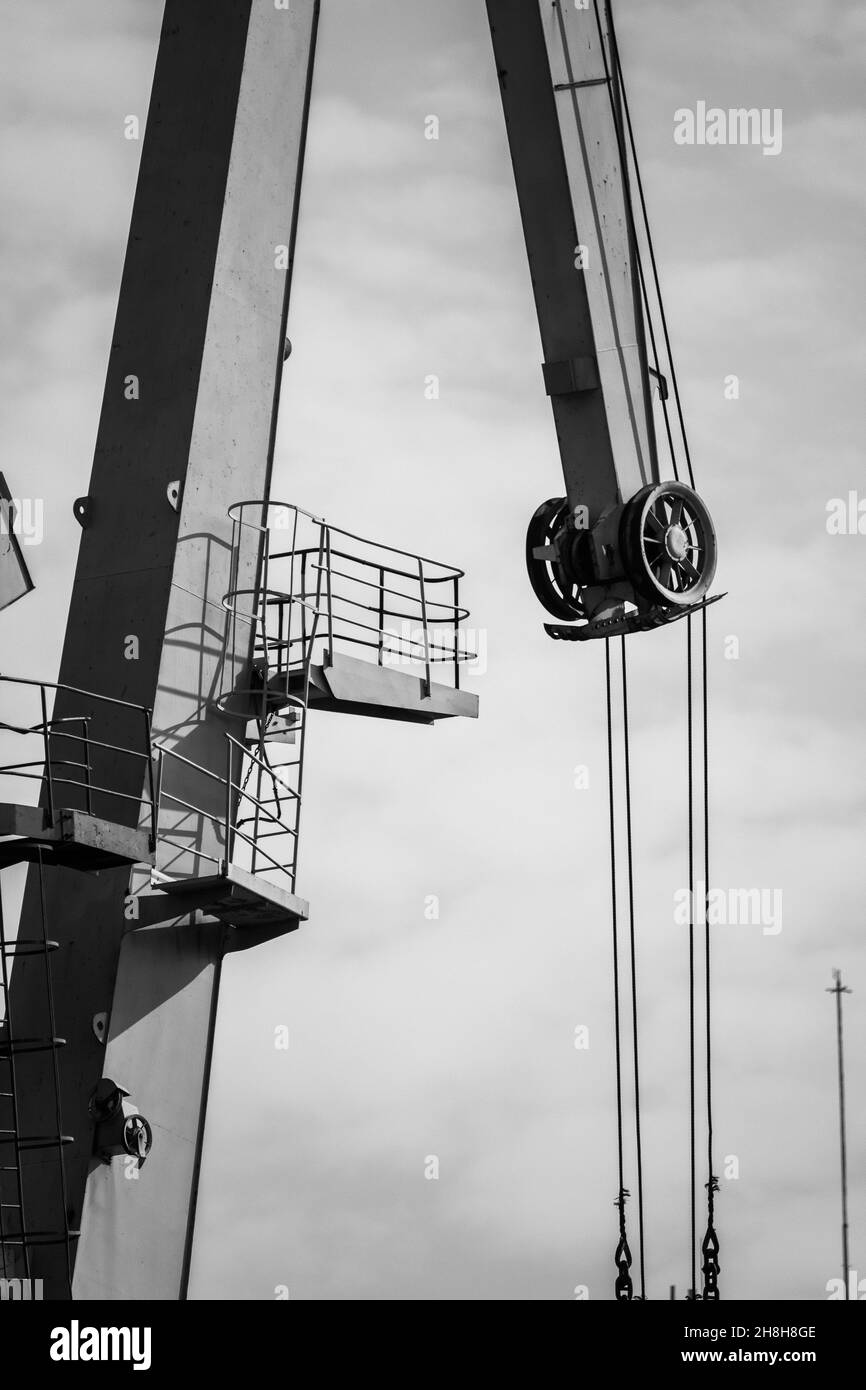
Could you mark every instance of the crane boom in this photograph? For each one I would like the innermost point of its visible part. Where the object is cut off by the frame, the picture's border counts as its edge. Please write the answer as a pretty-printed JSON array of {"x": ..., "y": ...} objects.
[
  {"x": 621, "y": 551},
  {"x": 556, "y": 80}
]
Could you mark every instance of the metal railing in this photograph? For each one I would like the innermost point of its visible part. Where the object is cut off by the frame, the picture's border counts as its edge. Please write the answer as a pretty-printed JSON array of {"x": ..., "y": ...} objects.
[
  {"x": 66, "y": 767},
  {"x": 236, "y": 819},
  {"x": 327, "y": 589},
  {"x": 226, "y": 817},
  {"x": 202, "y": 815}
]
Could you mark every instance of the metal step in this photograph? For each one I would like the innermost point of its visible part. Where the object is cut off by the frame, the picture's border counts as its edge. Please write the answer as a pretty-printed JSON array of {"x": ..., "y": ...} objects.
[
  {"x": 73, "y": 839},
  {"x": 236, "y": 897}
]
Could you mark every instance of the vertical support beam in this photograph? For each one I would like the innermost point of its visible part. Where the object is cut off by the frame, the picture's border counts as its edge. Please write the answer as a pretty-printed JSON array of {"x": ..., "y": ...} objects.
[
  {"x": 553, "y": 65},
  {"x": 191, "y": 399}
]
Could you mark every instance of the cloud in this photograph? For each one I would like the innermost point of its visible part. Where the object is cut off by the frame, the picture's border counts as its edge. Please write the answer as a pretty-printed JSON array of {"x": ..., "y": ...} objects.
[{"x": 456, "y": 1037}]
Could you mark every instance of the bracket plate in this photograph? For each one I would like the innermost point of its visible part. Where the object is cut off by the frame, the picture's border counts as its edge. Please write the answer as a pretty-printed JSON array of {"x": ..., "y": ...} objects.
[{"x": 623, "y": 626}]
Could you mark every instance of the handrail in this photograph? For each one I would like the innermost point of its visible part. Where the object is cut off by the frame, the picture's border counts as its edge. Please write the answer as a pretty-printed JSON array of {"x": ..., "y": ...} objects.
[
  {"x": 232, "y": 815},
  {"x": 274, "y": 597},
  {"x": 395, "y": 593},
  {"x": 56, "y": 727},
  {"x": 76, "y": 690},
  {"x": 449, "y": 653},
  {"x": 422, "y": 617},
  {"x": 336, "y": 530},
  {"x": 369, "y": 564}
]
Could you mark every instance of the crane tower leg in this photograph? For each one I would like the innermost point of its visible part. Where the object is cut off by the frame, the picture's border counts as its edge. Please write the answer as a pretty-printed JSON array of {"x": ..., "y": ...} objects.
[{"x": 187, "y": 427}]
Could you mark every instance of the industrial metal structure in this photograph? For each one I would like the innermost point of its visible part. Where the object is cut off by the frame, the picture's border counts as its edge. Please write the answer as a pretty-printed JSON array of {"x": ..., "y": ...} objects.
[
  {"x": 205, "y": 628},
  {"x": 15, "y": 579}
]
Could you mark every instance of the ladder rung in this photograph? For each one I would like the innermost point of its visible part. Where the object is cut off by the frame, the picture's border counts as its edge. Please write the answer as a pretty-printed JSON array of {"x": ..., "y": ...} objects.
[
  {"x": 41, "y": 1237},
  {"x": 585, "y": 82},
  {"x": 28, "y": 946},
  {"x": 34, "y": 1141},
  {"x": 12, "y": 1047}
]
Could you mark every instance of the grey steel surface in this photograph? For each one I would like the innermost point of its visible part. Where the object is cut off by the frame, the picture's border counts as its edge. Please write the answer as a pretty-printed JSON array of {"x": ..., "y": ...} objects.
[
  {"x": 73, "y": 838},
  {"x": 239, "y": 898},
  {"x": 355, "y": 686},
  {"x": 201, "y": 325},
  {"x": 570, "y": 186}
]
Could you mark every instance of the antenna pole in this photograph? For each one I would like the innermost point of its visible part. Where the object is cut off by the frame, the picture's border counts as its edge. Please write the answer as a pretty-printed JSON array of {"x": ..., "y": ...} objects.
[{"x": 839, "y": 989}]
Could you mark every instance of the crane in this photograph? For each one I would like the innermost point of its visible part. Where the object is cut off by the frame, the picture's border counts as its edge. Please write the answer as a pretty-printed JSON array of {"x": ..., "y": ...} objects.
[
  {"x": 208, "y": 621},
  {"x": 623, "y": 551}
]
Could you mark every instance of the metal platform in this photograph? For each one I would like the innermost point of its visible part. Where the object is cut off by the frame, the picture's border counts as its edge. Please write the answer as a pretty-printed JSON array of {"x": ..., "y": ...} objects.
[
  {"x": 350, "y": 685},
  {"x": 71, "y": 839},
  {"x": 236, "y": 897},
  {"x": 347, "y": 624}
]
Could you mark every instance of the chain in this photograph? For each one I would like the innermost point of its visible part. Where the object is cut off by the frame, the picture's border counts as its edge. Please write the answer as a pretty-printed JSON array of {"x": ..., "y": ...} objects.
[
  {"x": 710, "y": 1249},
  {"x": 623, "y": 1287}
]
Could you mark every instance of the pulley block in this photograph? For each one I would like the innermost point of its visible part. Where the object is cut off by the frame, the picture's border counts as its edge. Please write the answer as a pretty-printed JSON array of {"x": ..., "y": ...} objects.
[
  {"x": 668, "y": 544},
  {"x": 641, "y": 566},
  {"x": 557, "y": 560}
]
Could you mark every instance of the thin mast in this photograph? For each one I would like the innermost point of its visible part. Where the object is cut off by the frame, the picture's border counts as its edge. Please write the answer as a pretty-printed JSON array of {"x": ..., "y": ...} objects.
[{"x": 839, "y": 989}]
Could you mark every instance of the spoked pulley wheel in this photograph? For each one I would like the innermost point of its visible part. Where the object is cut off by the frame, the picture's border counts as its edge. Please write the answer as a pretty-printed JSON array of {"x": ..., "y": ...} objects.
[
  {"x": 669, "y": 544},
  {"x": 553, "y": 580}
]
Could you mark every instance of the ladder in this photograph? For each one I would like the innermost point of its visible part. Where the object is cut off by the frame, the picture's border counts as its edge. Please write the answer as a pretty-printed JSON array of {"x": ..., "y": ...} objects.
[{"x": 16, "y": 1237}]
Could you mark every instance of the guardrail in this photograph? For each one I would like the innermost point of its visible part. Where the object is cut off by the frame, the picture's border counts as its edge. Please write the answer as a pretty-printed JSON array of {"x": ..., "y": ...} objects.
[
  {"x": 209, "y": 815},
  {"x": 325, "y": 588},
  {"x": 208, "y": 820},
  {"x": 68, "y": 751}
]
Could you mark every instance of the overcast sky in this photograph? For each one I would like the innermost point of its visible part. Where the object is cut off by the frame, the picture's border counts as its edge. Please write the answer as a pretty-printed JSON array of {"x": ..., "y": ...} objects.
[{"x": 454, "y": 1038}]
